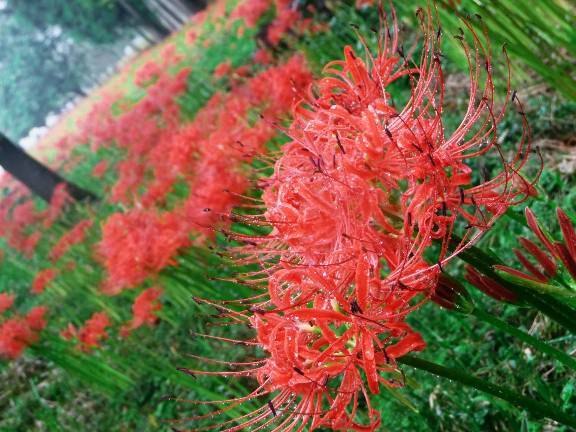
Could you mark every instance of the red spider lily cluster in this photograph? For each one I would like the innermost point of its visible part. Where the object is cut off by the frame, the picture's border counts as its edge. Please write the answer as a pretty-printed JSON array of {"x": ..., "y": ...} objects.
[
  {"x": 361, "y": 193},
  {"x": 19, "y": 332},
  {"x": 211, "y": 156},
  {"x": 208, "y": 155}
]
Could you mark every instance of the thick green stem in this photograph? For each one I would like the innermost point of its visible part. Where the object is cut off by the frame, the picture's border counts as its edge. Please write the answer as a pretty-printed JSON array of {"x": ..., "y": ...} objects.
[
  {"x": 543, "y": 347},
  {"x": 538, "y": 408}
]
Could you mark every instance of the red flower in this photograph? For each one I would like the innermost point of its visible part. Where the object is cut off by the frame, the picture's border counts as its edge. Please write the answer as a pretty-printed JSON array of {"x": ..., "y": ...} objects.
[
  {"x": 17, "y": 333},
  {"x": 35, "y": 318},
  {"x": 15, "y": 336},
  {"x": 546, "y": 260},
  {"x": 144, "y": 309},
  {"x": 138, "y": 244},
  {"x": 222, "y": 70},
  {"x": 355, "y": 201},
  {"x": 42, "y": 279},
  {"x": 69, "y": 239},
  {"x": 100, "y": 169},
  {"x": 91, "y": 334},
  {"x": 6, "y": 301},
  {"x": 60, "y": 199}
]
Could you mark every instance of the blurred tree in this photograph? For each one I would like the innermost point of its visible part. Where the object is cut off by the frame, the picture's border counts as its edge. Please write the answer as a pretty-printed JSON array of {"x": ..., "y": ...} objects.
[
  {"x": 97, "y": 21},
  {"x": 40, "y": 179},
  {"x": 40, "y": 71}
]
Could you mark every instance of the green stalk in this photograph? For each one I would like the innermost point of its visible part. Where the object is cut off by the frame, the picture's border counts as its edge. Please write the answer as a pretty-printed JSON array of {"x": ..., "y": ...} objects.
[
  {"x": 538, "y": 408},
  {"x": 543, "y": 347}
]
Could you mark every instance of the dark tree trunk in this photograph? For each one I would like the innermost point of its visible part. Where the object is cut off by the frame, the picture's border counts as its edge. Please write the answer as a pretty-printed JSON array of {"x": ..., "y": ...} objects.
[
  {"x": 195, "y": 5},
  {"x": 38, "y": 178},
  {"x": 147, "y": 19}
]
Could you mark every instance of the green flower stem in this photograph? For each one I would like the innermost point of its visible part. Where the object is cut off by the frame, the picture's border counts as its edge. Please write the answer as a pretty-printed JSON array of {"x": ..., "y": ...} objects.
[
  {"x": 543, "y": 347},
  {"x": 538, "y": 408}
]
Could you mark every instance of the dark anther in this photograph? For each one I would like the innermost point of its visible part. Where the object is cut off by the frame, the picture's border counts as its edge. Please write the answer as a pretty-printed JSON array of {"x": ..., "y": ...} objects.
[
  {"x": 298, "y": 371},
  {"x": 339, "y": 143},
  {"x": 355, "y": 307},
  {"x": 439, "y": 32},
  {"x": 400, "y": 51},
  {"x": 388, "y": 132},
  {"x": 207, "y": 209},
  {"x": 431, "y": 159},
  {"x": 272, "y": 409},
  {"x": 409, "y": 215},
  {"x": 186, "y": 371},
  {"x": 258, "y": 311},
  {"x": 486, "y": 173},
  {"x": 514, "y": 94},
  {"x": 440, "y": 266},
  {"x": 444, "y": 209},
  {"x": 461, "y": 190}
]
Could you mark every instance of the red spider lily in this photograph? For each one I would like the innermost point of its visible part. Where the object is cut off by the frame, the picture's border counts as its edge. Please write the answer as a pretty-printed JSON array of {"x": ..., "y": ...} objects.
[
  {"x": 42, "y": 279},
  {"x": 138, "y": 244},
  {"x": 6, "y": 302},
  {"x": 91, "y": 334},
  {"x": 17, "y": 333},
  {"x": 74, "y": 236},
  {"x": 357, "y": 197},
  {"x": 548, "y": 259},
  {"x": 250, "y": 11},
  {"x": 223, "y": 69},
  {"x": 36, "y": 318},
  {"x": 145, "y": 309}
]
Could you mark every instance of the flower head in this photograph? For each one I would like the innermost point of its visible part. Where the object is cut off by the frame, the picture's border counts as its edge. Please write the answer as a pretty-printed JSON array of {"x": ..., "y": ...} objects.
[{"x": 357, "y": 202}]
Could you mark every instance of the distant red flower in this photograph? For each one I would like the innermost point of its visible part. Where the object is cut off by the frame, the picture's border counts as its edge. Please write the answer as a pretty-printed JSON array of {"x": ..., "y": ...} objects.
[
  {"x": 36, "y": 318},
  {"x": 6, "y": 301},
  {"x": 17, "y": 333},
  {"x": 145, "y": 309},
  {"x": 69, "y": 239},
  {"x": 15, "y": 336},
  {"x": 100, "y": 168},
  {"x": 42, "y": 279},
  {"x": 223, "y": 69},
  {"x": 60, "y": 199},
  {"x": 138, "y": 244},
  {"x": 263, "y": 57},
  {"x": 91, "y": 334}
]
